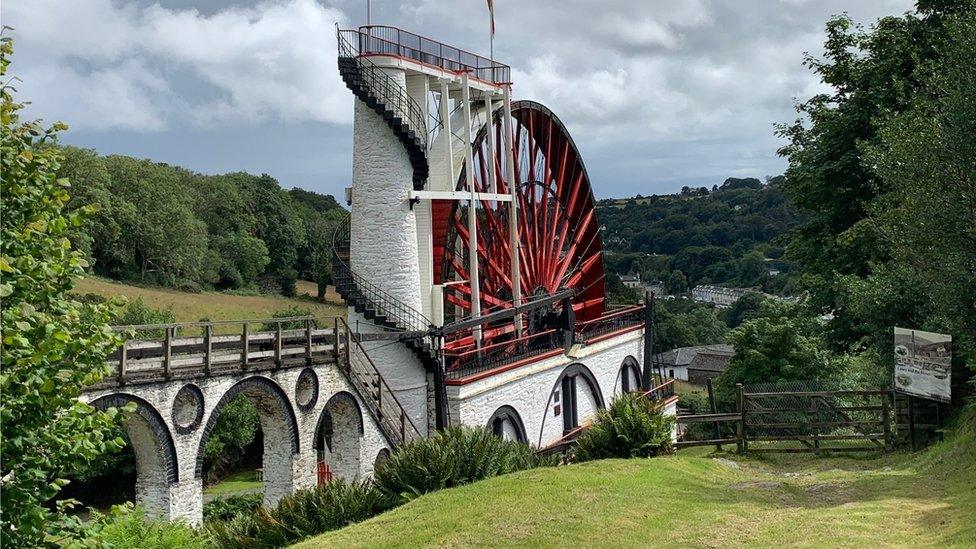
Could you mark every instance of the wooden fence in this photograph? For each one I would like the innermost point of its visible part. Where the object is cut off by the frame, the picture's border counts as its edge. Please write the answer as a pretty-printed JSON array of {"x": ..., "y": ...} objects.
[
  {"x": 798, "y": 421},
  {"x": 159, "y": 352}
]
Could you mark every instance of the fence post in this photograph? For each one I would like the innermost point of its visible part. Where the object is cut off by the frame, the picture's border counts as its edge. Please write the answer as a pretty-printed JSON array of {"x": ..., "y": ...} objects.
[
  {"x": 886, "y": 426},
  {"x": 278, "y": 344},
  {"x": 815, "y": 423},
  {"x": 711, "y": 406},
  {"x": 335, "y": 346},
  {"x": 207, "y": 347},
  {"x": 122, "y": 360},
  {"x": 743, "y": 445},
  {"x": 308, "y": 341},
  {"x": 244, "y": 347},
  {"x": 167, "y": 351},
  {"x": 911, "y": 421}
]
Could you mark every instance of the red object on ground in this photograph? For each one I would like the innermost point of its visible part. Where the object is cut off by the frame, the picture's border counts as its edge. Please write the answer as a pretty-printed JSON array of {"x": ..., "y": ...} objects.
[{"x": 324, "y": 473}]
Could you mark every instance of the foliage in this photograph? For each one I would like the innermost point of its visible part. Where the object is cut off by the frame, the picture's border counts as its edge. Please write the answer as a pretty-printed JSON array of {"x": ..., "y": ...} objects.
[
  {"x": 302, "y": 514},
  {"x": 882, "y": 143},
  {"x": 288, "y": 312},
  {"x": 236, "y": 428},
  {"x": 783, "y": 344},
  {"x": 925, "y": 158},
  {"x": 713, "y": 237},
  {"x": 632, "y": 427},
  {"x": 224, "y": 509},
  {"x": 450, "y": 457},
  {"x": 127, "y": 527},
  {"x": 684, "y": 323},
  {"x": 53, "y": 346},
  {"x": 746, "y": 307},
  {"x": 165, "y": 225},
  {"x": 137, "y": 312}
]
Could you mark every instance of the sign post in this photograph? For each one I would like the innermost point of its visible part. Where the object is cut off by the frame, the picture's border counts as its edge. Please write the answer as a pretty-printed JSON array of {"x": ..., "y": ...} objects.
[{"x": 923, "y": 364}]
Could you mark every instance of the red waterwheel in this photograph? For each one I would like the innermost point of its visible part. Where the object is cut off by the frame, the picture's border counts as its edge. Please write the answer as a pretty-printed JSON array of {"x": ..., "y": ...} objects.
[{"x": 559, "y": 236}]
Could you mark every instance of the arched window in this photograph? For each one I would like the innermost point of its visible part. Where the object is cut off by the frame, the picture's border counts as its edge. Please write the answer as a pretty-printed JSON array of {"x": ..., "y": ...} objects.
[{"x": 507, "y": 424}]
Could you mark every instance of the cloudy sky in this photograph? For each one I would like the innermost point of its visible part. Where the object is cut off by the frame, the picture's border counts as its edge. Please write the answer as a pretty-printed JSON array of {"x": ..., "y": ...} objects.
[{"x": 657, "y": 93}]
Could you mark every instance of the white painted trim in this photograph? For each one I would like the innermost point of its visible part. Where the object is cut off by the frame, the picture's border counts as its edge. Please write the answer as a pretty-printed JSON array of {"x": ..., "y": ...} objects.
[{"x": 458, "y": 195}]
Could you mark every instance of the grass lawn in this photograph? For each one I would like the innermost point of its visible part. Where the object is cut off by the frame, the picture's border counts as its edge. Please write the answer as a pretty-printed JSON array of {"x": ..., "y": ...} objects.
[
  {"x": 693, "y": 499},
  {"x": 191, "y": 307},
  {"x": 240, "y": 481}
]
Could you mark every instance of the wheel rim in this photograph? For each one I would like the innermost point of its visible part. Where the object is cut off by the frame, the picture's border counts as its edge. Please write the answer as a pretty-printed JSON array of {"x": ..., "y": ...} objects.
[{"x": 560, "y": 245}]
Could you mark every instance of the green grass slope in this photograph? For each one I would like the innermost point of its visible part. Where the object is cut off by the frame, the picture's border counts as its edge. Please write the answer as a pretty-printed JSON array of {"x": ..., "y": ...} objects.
[{"x": 693, "y": 500}]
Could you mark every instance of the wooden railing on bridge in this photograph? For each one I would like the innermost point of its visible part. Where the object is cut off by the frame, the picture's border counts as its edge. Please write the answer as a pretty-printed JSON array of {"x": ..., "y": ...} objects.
[{"x": 158, "y": 352}]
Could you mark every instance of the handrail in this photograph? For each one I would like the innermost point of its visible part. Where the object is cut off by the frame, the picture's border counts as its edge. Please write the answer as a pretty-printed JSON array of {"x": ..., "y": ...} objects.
[
  {"x": 202, "y": 324},
  {"x": 403, "y": 315},
  {"x": 388, "y": 90},
  {"x": 384, "y": 39},
  {"x": 353, "y": 338},
  {"x": 612, "y": 314}
]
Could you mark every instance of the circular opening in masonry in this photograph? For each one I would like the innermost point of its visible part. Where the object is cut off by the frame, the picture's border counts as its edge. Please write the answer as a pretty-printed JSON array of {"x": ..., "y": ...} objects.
[
  {"x": 306, "y": 390},
  {"x": 188, "y": 409}
]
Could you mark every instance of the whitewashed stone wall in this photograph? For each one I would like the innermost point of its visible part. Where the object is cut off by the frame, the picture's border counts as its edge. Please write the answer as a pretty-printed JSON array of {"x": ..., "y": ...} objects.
[
  {"x": 531, "y": 390},
  {"x": 177, "y": 494},
  {"x": 383, "y": 240}
]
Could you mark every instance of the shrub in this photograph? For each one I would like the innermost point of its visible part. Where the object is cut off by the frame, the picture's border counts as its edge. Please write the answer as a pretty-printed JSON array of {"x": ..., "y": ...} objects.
[
  {"x": 632, "y": 427},
  {"x": 225, "y": 509},
  {"x": 128, "y": 528},
  {"x": 302, "y": 514},
  {"x": 293, "y": 311},
  {"x": 454, "y": 456}
]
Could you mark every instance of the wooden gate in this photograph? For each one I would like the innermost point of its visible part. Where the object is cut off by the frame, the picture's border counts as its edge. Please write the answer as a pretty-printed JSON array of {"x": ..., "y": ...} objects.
[{"x": 815, "y": 421}]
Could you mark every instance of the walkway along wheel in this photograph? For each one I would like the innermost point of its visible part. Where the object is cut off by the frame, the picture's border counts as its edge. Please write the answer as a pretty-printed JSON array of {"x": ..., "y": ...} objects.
[{"x": 559, "y": 236}]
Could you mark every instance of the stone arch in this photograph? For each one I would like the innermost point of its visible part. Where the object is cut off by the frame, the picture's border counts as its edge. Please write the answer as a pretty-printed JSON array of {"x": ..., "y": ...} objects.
[
  {"x": 338, "y": 435},
  {"x": 507, "y": 423},
  {"x": 157, "y": 466},
  {"x": 279, "y": 426},
  {"x": 381, "y": 457},
  {"x": 629, "y": 377},
  {"x": 571, "y": 408}
]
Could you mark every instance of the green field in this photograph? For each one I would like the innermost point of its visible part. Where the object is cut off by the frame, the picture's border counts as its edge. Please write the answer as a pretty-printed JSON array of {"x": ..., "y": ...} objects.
[
  {"x": 694, "y": 499},
  {"x": 235, "y": 483},
  {"x": 191, "y": 307}
]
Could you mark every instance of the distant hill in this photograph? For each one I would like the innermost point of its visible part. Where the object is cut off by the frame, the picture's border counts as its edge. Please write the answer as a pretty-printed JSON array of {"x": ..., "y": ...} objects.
[{"x": 725, "y": 235}]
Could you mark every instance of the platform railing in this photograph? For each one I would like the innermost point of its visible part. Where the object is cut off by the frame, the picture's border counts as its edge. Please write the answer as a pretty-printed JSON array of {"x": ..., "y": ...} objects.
[
  {"x": 590, "y": 331},
  {"x": 387, "y": 90},
  {"x": 386, "y": 40}
]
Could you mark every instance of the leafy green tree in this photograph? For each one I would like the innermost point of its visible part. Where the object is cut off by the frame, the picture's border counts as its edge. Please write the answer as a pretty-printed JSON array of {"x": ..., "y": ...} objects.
[
  {"x": 873, "y": 74},
  {"x": 53, "y": 346},
  {"x": 677, "y": 283},
  {"x": 926, "y": 158},
  {"x": 746, "y": 307},
  {"x": 235, "y": 430},
  {"x": 784, "y": 344}
]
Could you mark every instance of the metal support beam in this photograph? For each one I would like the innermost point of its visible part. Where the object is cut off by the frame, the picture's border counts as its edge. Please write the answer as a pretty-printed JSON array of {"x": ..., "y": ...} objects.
[
  {"x": 648, "y": 340},
  {"x": 490, "y": 141},
  {"x": 440, "y": 388},
  {"x": 505, "y": 313},
  {"x": 445, "y": 112},
  {"x": 514, "y": 242},
  {"x": 472, "y": 209}
]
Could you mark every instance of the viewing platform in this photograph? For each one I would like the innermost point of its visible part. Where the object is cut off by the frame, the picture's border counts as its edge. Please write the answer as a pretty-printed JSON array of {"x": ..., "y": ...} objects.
[{"x": 382, "y": 40}]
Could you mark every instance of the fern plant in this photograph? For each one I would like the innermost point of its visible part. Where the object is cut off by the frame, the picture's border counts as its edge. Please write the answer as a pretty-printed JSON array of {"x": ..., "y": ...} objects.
[{"x": 632, "y": 427}]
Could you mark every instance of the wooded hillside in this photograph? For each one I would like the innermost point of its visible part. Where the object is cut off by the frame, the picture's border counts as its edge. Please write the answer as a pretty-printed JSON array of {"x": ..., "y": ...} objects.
[
  {"x": 726, "y": 235},
  {"x": 169, "y": 226}
]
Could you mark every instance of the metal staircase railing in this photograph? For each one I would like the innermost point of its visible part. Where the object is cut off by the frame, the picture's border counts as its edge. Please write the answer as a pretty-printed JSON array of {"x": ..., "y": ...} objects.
[
  {"x": 367, "y": 298},
  {"x": 380, "y": 399},
  {"x": 387, "y": 98}
]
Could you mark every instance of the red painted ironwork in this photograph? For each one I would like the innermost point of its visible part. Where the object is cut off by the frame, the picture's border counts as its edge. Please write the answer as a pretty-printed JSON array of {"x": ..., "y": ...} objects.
[
  {"x": 560, "y": 245},
  {"x": 324, "y": 472}
]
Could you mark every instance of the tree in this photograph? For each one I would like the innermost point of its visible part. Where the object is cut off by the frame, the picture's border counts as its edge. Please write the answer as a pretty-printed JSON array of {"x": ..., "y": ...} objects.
[
  {"x": 53, "y": 346},
  {"x": 873, "y": 75},
  {"x": 676, "y": 283},
  {"x": 782, "y": 345},
  {"x": 926, "y": 158}
]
